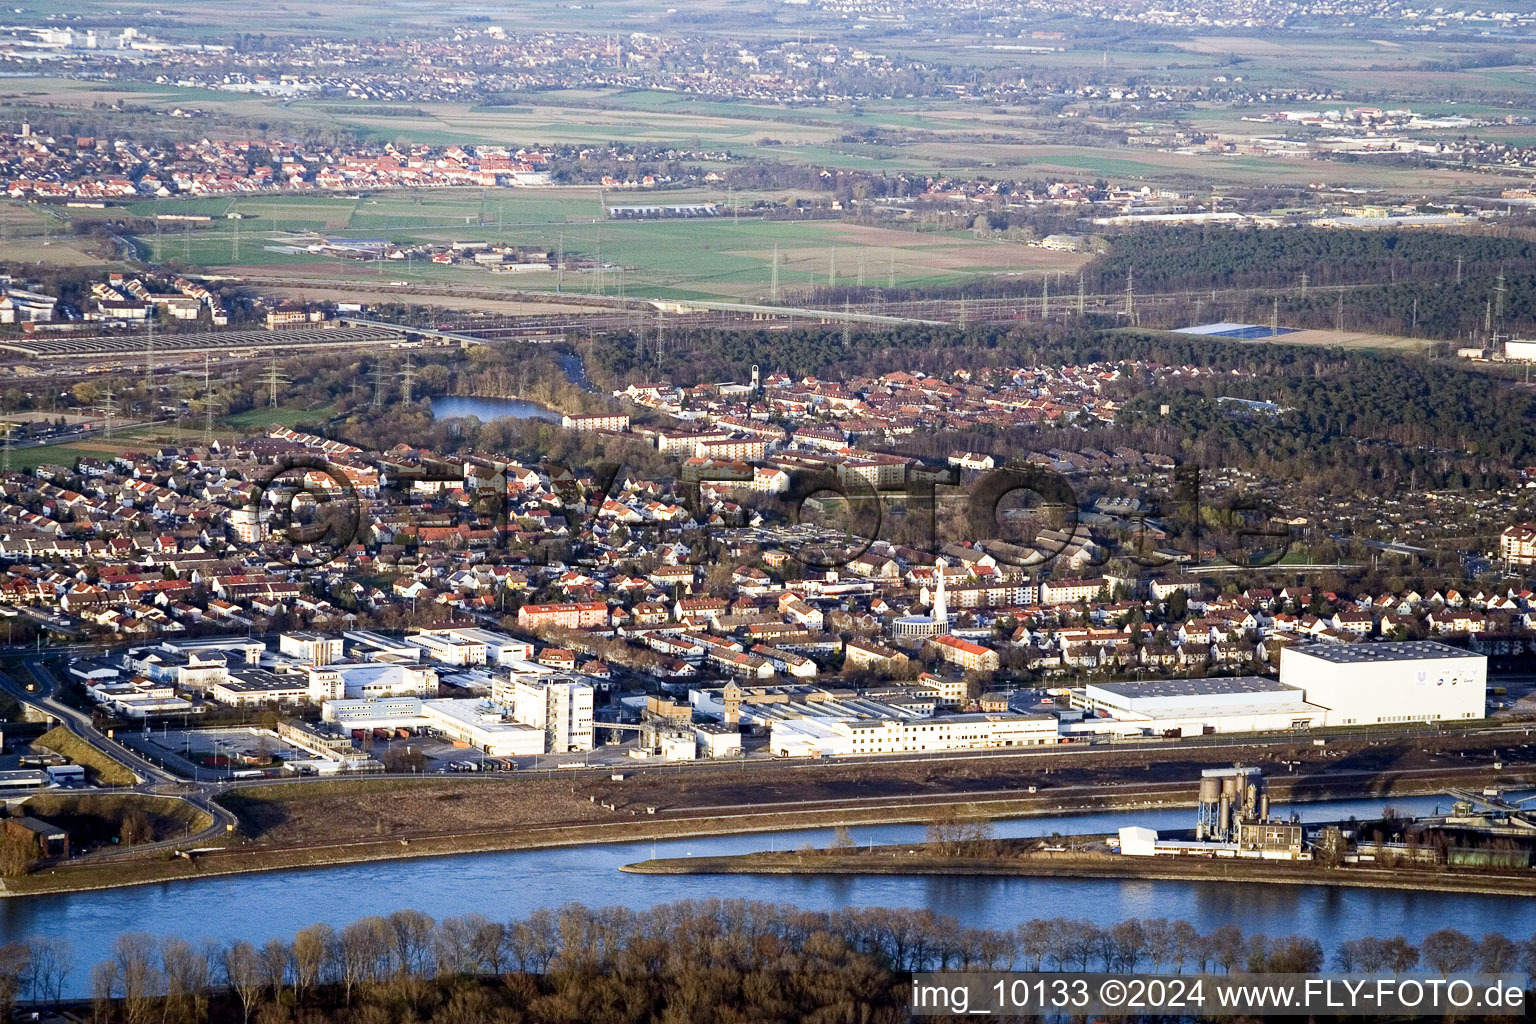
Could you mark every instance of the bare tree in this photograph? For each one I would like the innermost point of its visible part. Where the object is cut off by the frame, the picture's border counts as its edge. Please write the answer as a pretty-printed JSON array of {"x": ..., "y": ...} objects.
[
  {"x": 1161, "y": 941},
  {"x": 413, "y": 940},
  {"x": 276, "y": 956},
  {"x": 15, "y": 958},
  {"x": 1448, "y": 951},
  {"x": 490, "y": 945},
  {"x": 1226, "y": 947},
  {"x": 1496, "y": 954},
  {"x": 455, "y": 944},
  {"x": 355, "y": 954},
  {"x": 534, "y": 941},
  {"x": 188, "y": 974},
  {"x": 311, "y": 947},
  {"x": 52, "y": 960},
  {"x": 135, "y": 954},
  {"x": 243, "y": 974},
  {"x": 1034, "y": 943},
  {"x": 1400, "y": 955},
  {"x": 104, "y": 989}
]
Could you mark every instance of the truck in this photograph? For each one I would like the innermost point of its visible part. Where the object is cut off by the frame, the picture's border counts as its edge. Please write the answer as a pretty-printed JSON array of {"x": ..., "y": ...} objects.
[{"x": 248, "y": 773}]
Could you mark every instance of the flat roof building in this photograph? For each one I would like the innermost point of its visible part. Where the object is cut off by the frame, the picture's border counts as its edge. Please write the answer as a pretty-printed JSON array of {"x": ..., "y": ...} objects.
[{"x": 1388, "y": 682}]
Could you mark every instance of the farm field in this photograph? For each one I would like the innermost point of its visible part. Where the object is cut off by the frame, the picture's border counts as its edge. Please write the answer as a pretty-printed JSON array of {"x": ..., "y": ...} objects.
[{"x": 716, "y": 257}]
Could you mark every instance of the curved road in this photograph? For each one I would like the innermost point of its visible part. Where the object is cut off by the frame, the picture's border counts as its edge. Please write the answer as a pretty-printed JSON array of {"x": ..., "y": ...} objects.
[{"x": 152, "y": 779}]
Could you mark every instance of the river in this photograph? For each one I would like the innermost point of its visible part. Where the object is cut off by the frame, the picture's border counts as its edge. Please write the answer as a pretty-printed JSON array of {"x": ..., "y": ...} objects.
[
  {"x": 487, "y": 409},
  {"x": 509, "y": 885}
]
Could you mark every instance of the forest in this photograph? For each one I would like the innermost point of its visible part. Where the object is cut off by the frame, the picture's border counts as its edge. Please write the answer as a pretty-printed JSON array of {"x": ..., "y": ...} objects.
[
  {"x": 676, "y": 963},
  {"x": 1177, "y": 258}
]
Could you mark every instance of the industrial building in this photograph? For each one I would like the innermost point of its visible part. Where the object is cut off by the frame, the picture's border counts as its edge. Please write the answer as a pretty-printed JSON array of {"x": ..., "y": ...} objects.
[
  {"x": 480, "y": 724},
  {"x": 310, "y": 648},
  {"x": 559, "y": 706},
  {"x": 1232, "y": 819},
  {"x": 1387, "y": 682},
  {"x": 822, "y": 737},
  {"x": 1176, "y": 707},
  {"x": 1320, "y": 685},
  {"x": 369, "y": 680}
]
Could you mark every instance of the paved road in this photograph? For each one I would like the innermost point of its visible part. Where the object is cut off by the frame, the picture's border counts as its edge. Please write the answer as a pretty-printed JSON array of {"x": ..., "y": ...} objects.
[{"x": 152, "y": 779}]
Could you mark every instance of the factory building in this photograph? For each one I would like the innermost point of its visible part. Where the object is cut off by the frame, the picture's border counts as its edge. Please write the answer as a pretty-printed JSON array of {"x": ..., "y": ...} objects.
[
  {"x": 369, "y": 680},
  {"x": 821, "y": 737},
  {"x": 1394, "y": 681},
  {"x": 1326, "y": 684},
  {"x": 559, "y": 706},
  {"x": 1178, "y": 707},
  {"x": 310, "y": 648},
  {"x": 480, "y": 724},
  {"x": 1232, "y": 819}
]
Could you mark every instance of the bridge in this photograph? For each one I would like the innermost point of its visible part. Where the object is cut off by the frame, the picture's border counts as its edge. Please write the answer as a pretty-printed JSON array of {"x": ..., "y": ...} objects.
[{"x": 421, "y": 332}]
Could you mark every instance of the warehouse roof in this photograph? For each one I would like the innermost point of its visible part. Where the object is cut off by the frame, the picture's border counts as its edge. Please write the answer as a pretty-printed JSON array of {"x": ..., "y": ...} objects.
[
  {"x": 1386, "y": 650},
  {"x": 1204, "y": 687}
]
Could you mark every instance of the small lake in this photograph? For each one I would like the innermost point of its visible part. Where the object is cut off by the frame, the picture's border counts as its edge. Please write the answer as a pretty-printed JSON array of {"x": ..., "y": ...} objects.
[{"x": 487, "y": 409}]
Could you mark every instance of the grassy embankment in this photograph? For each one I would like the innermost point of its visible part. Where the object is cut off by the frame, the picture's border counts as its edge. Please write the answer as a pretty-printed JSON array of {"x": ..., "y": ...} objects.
[{"x": 99, "y": 768}]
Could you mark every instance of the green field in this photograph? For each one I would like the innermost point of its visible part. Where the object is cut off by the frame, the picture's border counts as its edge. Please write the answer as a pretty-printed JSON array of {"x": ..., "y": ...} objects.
[{"x": 717, "y": 257}]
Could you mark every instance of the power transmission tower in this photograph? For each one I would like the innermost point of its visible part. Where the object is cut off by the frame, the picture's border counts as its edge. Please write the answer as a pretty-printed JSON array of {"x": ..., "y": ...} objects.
[
  {"x": 847, "y": 326},
  {"x": 773, "y": 276},
  {"x": 1304, "y": 280},
  {"x": 210, "y": 403},
  {"x": 890, "y": 272},
  {"x": 1130, "y": 295},
  {"x": 275, "y": 378},
  {"x": 1488, "y": 316},
  {"x": 1338, "y": 315},
  {"x": 378, "y": 385},
  {"x": 1045, "y": 298},
  {"x": 860, "y": 278},
  {"x": 9, "y": 428},
  {"x": 1415, "y": 326},
  {"x": 559, "y": 265},
  {"x": 1274, "y": 319},
  {"x": 832, "y": 268},
  {"x": 235, "y": 255},
  {"x": 1080, "y": 295},
  {"x": 149, "y": 362},
  {"x": 661, "y": 332},
  {"x": 107, "y": 408},
  {"x": 407, "y": 379},
  {"x": 1459, "y": 261},
  {"x": 1498, "y": 297}
]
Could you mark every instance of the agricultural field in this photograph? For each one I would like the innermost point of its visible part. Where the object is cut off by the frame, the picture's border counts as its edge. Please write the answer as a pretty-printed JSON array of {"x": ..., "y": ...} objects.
[{"x": 720, "y": 257}]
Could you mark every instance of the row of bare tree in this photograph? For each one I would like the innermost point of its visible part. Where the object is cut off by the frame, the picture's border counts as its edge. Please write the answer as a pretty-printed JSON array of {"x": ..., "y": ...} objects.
[{"x": 616, "y": 964}]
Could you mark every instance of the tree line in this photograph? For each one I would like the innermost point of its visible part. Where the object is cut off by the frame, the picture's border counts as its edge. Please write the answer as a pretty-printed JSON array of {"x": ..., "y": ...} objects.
[{"x": 679, "y": 962}]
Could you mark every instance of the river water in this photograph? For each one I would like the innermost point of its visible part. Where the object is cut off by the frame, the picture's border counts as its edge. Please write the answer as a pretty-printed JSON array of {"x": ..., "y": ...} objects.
[
  {"x": 487, "y": 409},
  {"x": 509, "y": 885}
]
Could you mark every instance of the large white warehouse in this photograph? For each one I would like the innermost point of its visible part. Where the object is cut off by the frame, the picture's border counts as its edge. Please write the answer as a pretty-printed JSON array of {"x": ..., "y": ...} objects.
[
  {"x": 1193, "y": 706},
  {"x": 1392, "y": 681}
]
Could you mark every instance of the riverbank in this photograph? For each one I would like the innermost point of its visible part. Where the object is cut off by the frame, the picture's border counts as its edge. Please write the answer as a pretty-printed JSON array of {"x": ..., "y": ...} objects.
[
  {"x": 253, "y": 857},
  {"x": 910, "y": 859}
]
